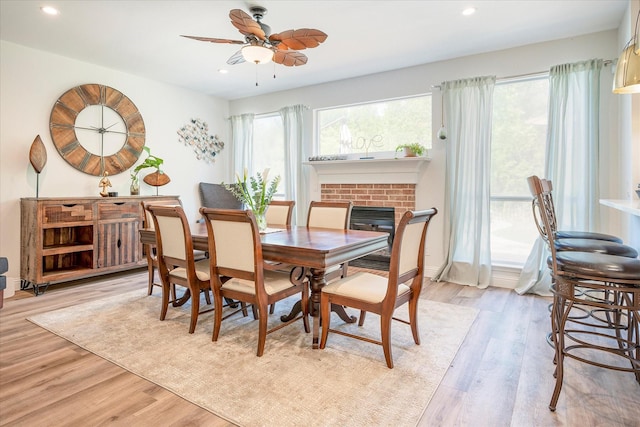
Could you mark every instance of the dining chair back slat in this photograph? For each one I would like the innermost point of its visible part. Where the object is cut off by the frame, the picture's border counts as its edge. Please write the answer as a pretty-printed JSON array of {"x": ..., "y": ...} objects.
[
  {"x": 234, "y": 243},
  {"x": 329, "y": 214},
  {"x": 279, "y": 213}
]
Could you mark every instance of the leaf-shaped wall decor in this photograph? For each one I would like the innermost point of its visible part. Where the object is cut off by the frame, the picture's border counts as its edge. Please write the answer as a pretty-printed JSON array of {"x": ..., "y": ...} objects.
[{"x": 38, "y": 154}]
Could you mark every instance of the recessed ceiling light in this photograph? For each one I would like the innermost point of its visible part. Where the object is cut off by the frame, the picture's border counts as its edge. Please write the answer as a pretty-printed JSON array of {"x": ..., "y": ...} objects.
[
  {"x": 223, "y": 71},
  {"x": 49, "y": 10},
  {"x": 469, "y": 11}
]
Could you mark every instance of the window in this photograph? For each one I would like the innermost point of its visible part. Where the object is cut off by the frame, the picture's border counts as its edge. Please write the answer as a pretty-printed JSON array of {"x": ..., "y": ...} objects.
[
  {"x": 374, "y": 127},
  {"x": 268, "y": 147},
  {"x": 517, "y": 151}
]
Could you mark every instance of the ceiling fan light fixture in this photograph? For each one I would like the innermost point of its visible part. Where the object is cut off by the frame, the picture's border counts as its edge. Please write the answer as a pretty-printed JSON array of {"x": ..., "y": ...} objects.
[{"x": 257, "y": 54}]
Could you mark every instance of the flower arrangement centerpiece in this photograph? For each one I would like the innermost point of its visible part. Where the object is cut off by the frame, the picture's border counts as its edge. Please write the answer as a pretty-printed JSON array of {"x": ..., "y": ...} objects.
[{"x": 256, "y": 193}]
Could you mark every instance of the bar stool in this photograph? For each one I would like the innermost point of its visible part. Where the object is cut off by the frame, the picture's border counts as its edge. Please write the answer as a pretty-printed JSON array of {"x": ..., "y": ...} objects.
[
  {"x": 583, "y": 241},
  {"x": 596, "y": 303}
]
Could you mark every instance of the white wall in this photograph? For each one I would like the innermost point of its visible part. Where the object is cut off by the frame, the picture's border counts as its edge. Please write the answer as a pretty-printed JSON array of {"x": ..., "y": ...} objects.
[
  {"x": 419, "y": 79},
  {"x": 30, "y": 83}
]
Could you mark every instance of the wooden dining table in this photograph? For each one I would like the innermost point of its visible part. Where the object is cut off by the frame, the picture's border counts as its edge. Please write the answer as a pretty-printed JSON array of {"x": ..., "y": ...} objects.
[{"x": 313, "y": 248}]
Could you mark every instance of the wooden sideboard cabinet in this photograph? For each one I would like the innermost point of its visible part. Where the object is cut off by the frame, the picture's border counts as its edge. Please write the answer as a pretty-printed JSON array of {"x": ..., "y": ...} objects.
[{"x": 66, "y": 239}]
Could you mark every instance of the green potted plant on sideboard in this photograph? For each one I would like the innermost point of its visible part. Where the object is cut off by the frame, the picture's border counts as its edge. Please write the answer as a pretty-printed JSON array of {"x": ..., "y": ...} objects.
[{"x": 150, "y": 162}]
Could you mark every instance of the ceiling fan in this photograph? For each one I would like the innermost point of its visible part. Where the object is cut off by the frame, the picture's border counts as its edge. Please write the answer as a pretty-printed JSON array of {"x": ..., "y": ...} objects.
[{"x": 261, "y": 46}]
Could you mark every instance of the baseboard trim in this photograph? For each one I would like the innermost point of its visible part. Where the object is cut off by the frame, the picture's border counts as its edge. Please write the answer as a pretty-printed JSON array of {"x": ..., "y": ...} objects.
[{"x": 501, "y": 276}]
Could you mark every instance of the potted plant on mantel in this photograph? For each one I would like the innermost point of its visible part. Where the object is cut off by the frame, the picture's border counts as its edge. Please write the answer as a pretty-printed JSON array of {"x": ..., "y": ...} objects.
[
  {"x": 411, "y": 150},
  {"x": 150, "y": 162}
]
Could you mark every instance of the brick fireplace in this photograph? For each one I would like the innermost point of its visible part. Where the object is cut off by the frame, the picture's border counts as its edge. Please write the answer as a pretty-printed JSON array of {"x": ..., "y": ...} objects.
[
  {"x": 376, "y": 183},
  {"x": 402, "y": 197}
]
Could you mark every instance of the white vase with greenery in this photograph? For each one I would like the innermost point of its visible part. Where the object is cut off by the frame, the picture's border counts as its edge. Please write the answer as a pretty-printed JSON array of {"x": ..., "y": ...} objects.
[{"x": 256, "y": 193}]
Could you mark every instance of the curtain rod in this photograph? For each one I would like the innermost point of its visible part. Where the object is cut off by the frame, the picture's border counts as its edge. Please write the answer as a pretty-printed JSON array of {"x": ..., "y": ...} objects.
[
  {"x": 306, "y": 107},
  {"x": 518, "y": 76}
]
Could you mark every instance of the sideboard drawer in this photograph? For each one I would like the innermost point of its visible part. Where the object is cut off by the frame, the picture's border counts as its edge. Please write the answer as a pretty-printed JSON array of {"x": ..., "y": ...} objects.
[
  {"x": 119, "y": 210},
  {"x": 65, "y": 213}
]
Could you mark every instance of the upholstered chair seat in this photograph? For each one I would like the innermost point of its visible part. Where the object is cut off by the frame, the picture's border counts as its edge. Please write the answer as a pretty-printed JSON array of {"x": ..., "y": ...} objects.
[
  {"x": 274, "y": 282},
  {"x": 367, "y": 287},
  {"x": 201, "y": 268}
]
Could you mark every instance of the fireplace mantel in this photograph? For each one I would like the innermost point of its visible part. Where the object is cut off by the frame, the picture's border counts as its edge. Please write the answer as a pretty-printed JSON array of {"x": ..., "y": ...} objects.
[{"x": 405, "y": 170}]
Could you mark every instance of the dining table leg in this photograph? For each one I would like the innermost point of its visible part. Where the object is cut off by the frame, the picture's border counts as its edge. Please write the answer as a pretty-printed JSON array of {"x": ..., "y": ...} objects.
[{"x": 316, "y": 282}]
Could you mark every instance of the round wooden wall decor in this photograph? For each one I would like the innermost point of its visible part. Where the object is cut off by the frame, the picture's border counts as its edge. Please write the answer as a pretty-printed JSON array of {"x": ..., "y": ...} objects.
[{"x": 97, "y": 129}]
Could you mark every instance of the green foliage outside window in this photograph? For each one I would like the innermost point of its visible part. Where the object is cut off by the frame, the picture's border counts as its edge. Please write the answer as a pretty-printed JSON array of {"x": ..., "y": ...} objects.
[{"x": 381, "y": 126}]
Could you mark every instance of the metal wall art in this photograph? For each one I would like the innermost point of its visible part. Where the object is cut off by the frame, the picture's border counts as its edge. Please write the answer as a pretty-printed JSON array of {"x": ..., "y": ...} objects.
[{"x": 195, "y": 134}]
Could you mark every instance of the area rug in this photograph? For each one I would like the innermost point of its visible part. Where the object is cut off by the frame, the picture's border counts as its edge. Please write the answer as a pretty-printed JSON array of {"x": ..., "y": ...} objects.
[{"x": 348, "y": 383}]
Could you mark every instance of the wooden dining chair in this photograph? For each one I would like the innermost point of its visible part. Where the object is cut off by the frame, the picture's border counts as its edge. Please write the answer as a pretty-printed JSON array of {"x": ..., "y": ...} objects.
[
  {"x": 596, "y": 302},
  {"x": 376, "y": 294},
  {"x": 176, "y": 260},
  {"x": 150, "y": 251},
  {"x": 279, "y": 213},
  {"x": 334, "y": 215},
  {"x": 236, "y": 254}
]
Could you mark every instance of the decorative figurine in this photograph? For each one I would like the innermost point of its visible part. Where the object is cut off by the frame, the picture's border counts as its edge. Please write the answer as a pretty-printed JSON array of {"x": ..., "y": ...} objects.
[{"x": 104, "y": 183}]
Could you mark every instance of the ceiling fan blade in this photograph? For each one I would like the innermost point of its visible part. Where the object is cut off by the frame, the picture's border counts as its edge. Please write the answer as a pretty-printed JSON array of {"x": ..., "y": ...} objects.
[
  {"x": 213, "y": 40},
  {"x": 243, "y": 22},
  {"x": 236, "y": 58},
  {"x": 299, "y": 39},
  {"x": 289, "y": 58}
]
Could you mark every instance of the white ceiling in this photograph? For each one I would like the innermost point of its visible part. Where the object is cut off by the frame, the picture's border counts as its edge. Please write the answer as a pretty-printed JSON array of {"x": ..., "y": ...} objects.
[{"x": 365, "y": 37}]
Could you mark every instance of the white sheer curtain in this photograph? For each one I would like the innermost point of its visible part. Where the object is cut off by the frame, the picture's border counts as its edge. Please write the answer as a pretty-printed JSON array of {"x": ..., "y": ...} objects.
[
  {"x": 295, "y": 152},
  {"x": 571, "y": 160},
  {"x": 469, "y": 108},
  {"x": 241, "y": 143}
]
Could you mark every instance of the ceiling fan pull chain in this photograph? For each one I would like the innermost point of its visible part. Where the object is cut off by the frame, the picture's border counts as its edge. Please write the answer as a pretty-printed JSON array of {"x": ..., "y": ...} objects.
[
  {"x": 256, "y": 74},
  {"x": 274, "y": 70}
]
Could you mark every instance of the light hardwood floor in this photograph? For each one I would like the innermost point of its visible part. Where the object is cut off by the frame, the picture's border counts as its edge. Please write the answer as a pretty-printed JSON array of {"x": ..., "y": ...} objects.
[{"x": 501, "y": 376}]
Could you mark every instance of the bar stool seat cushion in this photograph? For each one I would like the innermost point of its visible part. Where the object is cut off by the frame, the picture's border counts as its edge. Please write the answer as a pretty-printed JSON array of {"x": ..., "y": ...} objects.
[
  {"x": 597, "y": 246},
  {"x": 607, "y": 267},
  {"x": 587, "y": 235}
]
